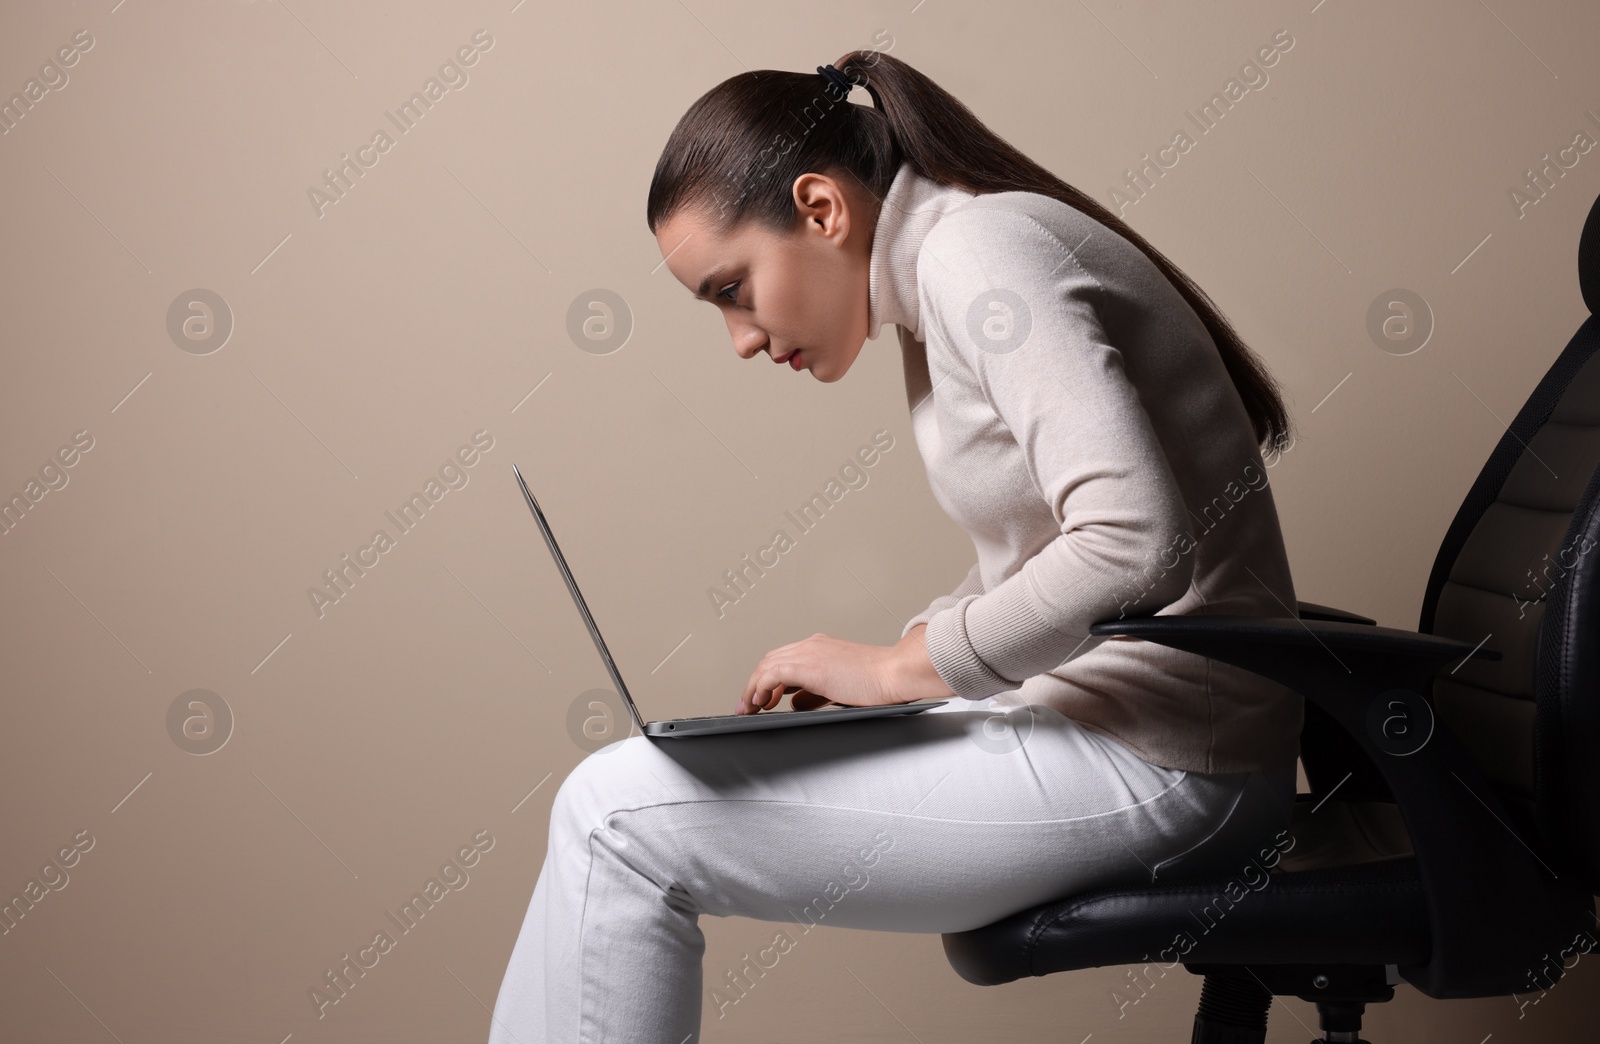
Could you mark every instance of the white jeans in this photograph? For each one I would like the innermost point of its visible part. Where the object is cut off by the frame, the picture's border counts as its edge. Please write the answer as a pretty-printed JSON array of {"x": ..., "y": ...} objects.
[{"x": 936, "y": 822}]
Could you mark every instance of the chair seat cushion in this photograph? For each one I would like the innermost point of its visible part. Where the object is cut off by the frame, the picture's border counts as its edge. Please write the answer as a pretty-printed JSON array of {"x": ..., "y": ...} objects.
[{"x": 1366, "y": 913}]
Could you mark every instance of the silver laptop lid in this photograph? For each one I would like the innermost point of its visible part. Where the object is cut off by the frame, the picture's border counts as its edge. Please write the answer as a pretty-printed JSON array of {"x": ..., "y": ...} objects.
[{"x": 577, "y": 597}]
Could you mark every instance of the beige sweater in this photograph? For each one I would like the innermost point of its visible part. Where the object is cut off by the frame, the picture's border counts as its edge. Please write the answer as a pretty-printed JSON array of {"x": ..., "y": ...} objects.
[{"x": 1077, "y": 421}]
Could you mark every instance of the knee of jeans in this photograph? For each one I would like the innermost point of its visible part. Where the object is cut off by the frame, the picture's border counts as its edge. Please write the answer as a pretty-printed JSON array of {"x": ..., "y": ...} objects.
[{"x": 611, "y": 778}]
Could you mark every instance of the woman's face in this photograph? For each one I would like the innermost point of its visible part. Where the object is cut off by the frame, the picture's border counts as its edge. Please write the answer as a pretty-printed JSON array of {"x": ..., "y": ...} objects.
[{"x": 800, "y": 294}]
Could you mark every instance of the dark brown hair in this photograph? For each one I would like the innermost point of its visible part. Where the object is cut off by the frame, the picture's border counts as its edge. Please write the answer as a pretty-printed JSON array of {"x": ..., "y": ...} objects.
[{"x": 738, "y": 150}]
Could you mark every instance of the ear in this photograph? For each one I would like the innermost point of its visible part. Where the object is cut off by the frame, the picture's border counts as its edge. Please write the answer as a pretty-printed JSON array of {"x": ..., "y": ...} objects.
[{"x": 821, "y": 206}]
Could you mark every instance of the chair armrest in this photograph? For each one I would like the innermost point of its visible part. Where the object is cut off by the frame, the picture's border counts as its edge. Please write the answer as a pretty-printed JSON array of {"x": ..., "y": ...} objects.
[
  {"x": 1313, "y": 611},
  {"x": 1275, "y": 646},
  {"x": 1494, "y": 904}
]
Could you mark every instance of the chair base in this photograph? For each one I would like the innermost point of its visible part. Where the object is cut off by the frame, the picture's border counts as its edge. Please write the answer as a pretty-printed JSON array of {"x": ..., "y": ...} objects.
[{"x": 1234, "y": 999}]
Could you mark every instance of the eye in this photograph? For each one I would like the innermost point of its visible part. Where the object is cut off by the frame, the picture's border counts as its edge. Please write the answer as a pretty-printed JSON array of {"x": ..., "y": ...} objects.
[{"x": 734, "y": 286}]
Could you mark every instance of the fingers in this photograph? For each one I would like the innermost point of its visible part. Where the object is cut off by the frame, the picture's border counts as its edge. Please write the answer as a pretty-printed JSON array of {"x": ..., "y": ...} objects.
[
  {"x": 766, "y": 687},
  {"x": 759, "y": 694},
  {"x": 752, "y": 701},
  {"x": 769, "y": 698},
  {"x": 749, "y": 699}
]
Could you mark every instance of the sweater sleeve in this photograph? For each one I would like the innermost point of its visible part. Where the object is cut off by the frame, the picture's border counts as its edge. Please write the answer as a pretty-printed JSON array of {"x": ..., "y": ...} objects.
[
  {"x": 1014, "y": 308},
  {"x": 973, "y": 584}
]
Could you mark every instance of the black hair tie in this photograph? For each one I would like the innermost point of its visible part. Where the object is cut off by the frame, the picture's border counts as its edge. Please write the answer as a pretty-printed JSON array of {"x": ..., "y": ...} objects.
[{"x": 834, "y": 76}]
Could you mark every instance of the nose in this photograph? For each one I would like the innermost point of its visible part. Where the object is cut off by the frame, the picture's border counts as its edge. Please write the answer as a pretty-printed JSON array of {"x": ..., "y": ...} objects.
[{"x": 747, "y": 339}]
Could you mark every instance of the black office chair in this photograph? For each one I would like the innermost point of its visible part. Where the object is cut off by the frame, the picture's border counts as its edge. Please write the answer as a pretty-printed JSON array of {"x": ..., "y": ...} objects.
[{"x": 1452, "y": 835}]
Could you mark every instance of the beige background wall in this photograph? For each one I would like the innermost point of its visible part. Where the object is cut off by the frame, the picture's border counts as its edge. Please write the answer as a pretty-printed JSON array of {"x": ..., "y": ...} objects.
[{"x": 430, "y": 705}]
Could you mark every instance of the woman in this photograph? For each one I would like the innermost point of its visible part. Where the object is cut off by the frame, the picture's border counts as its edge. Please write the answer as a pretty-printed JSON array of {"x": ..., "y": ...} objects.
[{"x": 1093, "y": 422}]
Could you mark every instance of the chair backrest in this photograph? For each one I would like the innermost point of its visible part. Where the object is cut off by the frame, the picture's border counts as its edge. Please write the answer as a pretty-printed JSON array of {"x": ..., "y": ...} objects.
[{"x": 1521, "y": 564}]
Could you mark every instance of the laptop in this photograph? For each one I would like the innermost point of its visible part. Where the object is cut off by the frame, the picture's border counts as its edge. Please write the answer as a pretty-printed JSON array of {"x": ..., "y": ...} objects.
[{"x": 704, "y": 726}]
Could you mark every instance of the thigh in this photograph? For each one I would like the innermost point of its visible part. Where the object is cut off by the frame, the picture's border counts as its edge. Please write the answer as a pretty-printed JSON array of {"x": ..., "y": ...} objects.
[{"x": 939, "y": 821}]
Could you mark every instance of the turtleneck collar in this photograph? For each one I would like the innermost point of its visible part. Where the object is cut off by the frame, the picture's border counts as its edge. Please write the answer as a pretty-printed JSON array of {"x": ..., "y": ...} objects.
[{"x": 911, "y": 207}]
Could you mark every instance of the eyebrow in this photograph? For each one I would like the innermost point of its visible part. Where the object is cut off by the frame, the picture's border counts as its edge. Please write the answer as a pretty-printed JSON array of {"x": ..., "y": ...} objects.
[{"x": 705, "y": 284}]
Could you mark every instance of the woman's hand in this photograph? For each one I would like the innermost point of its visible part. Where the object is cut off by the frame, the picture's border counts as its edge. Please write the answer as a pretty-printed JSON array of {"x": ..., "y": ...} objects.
[{"x": 822, "y": 669}]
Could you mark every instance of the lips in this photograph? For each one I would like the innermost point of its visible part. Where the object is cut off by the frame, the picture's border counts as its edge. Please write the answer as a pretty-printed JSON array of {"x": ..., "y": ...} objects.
[{"x": 794, "y": 359}]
